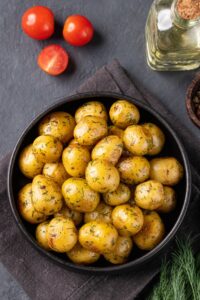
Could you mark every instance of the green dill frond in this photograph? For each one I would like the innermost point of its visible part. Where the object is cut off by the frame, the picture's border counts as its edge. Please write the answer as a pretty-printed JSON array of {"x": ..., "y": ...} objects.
[{"x": 180, "y": 277}]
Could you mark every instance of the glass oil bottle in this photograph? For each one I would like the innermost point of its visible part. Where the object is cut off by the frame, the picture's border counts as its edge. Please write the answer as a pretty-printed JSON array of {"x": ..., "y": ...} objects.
[{"x": 172, "y": 42}]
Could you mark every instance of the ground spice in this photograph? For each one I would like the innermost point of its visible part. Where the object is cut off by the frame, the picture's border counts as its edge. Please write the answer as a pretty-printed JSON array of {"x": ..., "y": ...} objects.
[
  {"x": 189, "y": 9},
  {"x": 196, "y": 104}
]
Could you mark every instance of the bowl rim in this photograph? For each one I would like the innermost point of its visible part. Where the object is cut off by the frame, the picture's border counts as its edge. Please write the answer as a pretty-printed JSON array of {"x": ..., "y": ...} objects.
[{"x": 113, "y": 268}]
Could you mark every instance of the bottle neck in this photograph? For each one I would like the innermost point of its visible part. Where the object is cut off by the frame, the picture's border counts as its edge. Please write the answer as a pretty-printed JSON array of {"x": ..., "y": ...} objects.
[{"x": 179, "y": 21}]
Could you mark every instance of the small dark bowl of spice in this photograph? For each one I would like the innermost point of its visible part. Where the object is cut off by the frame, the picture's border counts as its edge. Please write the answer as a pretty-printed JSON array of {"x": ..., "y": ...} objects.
[{"x": 193, "y": 100}]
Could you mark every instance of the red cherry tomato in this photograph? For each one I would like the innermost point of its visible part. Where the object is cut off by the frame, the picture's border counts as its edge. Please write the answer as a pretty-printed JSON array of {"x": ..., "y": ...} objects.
[
  {"x": 38, "y": 22},
  {"x": 53, "y": 59},
  {"x": 78, "y": 30}
]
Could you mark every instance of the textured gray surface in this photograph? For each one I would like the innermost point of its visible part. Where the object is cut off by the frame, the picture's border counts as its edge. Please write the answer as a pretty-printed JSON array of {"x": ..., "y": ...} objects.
[
  {"x": 9, "y": 289},
  {"x": 25, "y": 90}
]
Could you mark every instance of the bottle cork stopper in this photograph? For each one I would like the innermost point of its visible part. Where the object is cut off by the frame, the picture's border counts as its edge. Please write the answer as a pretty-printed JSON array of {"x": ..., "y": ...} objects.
[{"x": 189, "y": 9}]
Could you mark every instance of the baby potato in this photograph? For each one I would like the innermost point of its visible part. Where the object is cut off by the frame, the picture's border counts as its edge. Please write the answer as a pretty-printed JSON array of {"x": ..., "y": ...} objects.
[
  {"x": 109, "y": 148},
  {"x": 41, "y": 235},
  {"x": 128, "y": 220},
  {"x": 26, "y": 208},
  {"x": 151, "y": 233},
  {"x": 166, "y": 170},
  {"x": 56, "y": 172},
  {"x": 138, "y": 140},
  {"x": 120, "y": 196},
  {"x": 114, "y": 130},
  {"x": 102, "y": 176},
  {"x": 82, "y": 256},
  {"x": 124, "y": 113},
  {"x": 149, "y": 195},
  {"x": 98, "y": 236},
  {"x": 46, "y": 195},
  {"x": 79, "y": 196},
  {"x": 134, "y": 170},
  {"x": 66, "y": 212},
  {"x": 28, "y": 163},
  {"x": 47, "y": 149},
  {"x": 75, "y": 159},
  {"x": 121, "y": 252},
  {"x": 158, "y": 138},
  {"x": 59, "y": 124},
  {"x": 169, "y": 202},
  {"x": 90, "y": 130},
  {"x": 102, "y": 212},
  {"x": 74, "y": 142},
  {"x": 92, "y": 108},
  {"x": 61, "y": 234}
]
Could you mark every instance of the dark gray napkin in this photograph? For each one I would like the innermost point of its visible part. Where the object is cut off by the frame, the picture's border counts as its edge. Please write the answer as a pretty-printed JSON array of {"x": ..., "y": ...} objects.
[{"x": 40, "y": 278}]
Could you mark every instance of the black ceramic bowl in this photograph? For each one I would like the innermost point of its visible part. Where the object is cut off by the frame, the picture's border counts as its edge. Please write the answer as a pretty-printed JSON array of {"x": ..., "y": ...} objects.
[{"x": 173, "y": 147}]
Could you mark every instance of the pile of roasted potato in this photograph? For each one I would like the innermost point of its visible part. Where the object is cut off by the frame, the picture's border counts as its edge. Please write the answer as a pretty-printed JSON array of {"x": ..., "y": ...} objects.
[{"x": 96, "y": 190}]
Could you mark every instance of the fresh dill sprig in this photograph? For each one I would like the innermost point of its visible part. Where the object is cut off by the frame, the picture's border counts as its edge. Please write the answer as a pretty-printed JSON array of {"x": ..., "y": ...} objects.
[{"x": 180, "y": 277}]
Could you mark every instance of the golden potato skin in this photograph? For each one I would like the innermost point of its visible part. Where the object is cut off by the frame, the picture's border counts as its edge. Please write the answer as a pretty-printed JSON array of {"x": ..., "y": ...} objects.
[
  {"x": 109, "y": 148},
  {"x": 158, "y": 138},
  {"x": 128, "y": 220},
  {"x": 121, "y": 252},
  {"x": 28, "y": 163},
  {"x": 114, "y": 130},
  {"x": 41, "y": 235},
  {"x": 47, "y": 197},
  {"x": 98, "y": 236},
  {"x": 59, "y": 124},
  {"x": 90, "y": 130},
  {"x": 75, "y": 159},
  {"x": 66, "y": 212},
  {"x": 166, "y": 170},
  {"x": 61, "y": 234},
  {"x": 120, "y": 196},
  {"x": 26, "y": 208},
  {"x": 169, "y": 202},
  {"x": 152, "y": 232},
  {"x": 56, "y": 172},
  {"x": 149, "y": 195},
  {"x": 138, "y": 140},
  {"x": 82, "y": 256},
  {"x": 102, "y": 176},
  {"x": 102, "y": 212},
  {"x": 47, "y": 148},
  {"x": 123, "y": 113},
  {"x": 92, "y": 108},
  {"x": 134, "y": 170},
  {"x": 79, "y": 196},
  {"x": 74, "y": 142}
]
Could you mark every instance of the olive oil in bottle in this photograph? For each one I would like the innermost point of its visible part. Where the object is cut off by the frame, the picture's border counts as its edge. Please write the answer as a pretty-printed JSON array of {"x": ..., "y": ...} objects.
[{"x": 173, "y": 35}]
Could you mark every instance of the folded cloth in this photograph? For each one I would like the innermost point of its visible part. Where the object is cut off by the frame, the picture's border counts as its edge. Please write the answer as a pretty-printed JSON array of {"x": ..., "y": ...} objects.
[{"x": 41, "y": 278}]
